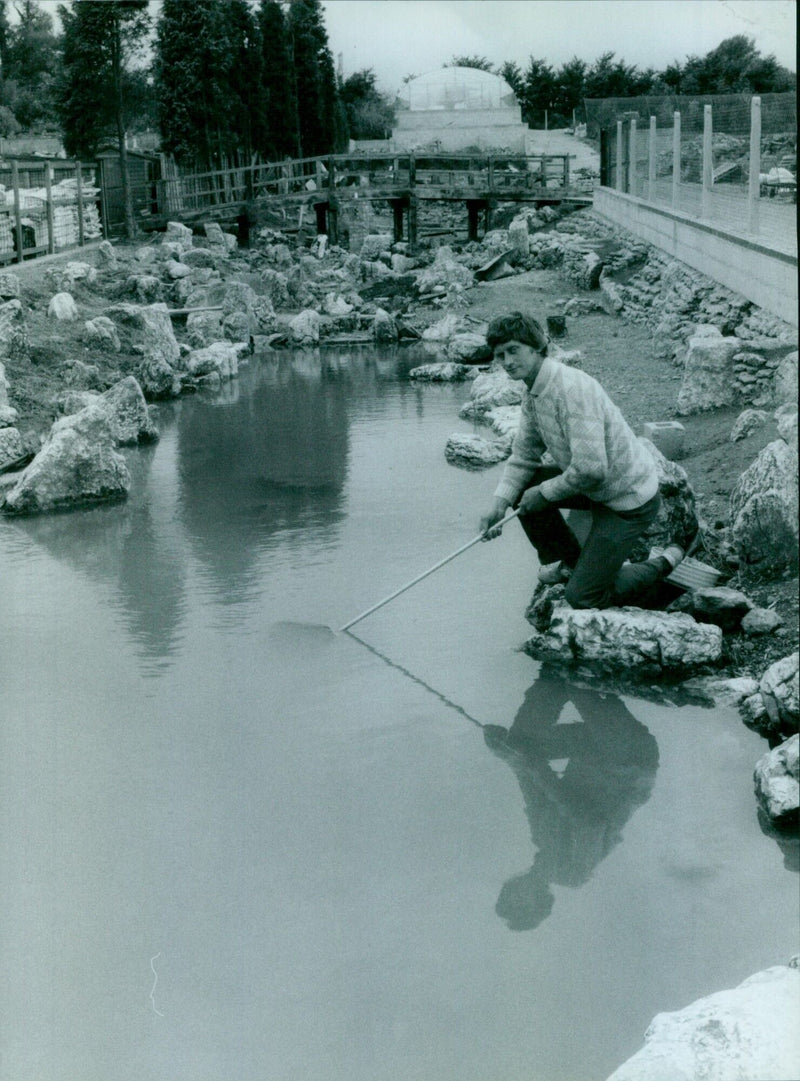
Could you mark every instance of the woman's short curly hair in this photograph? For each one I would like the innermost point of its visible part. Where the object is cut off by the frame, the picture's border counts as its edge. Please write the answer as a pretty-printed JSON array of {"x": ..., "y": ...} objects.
[{"x": 519, "y": 328}]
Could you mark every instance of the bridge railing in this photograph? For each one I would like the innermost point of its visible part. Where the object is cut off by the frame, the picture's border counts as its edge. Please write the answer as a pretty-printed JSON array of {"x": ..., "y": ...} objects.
[{"x": 389, "y": 173}]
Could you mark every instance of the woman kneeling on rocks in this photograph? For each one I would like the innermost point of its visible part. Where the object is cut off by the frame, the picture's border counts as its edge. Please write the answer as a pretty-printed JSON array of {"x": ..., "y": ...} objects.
[{"x": 600, "y": 466}]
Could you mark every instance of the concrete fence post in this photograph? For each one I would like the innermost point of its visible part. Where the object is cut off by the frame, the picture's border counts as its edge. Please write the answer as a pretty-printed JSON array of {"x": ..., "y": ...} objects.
[
  {"x": 676, "y": 158},
  {"x": 79, "y": 199},
  {"x": 17, "y": 209},
  {"x": 620, "y": 182},
  {"x": 48, "y": 188},
  {"x": 632, "y": 158},
  {"x": 754, "y": 185},
  {"x": 651, "y": 161},
  {"x": 708, "y": 162}
]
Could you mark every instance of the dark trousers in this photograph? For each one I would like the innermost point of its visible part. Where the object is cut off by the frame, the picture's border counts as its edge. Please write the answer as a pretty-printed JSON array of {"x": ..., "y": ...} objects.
[{"x": 599, "y": 579}]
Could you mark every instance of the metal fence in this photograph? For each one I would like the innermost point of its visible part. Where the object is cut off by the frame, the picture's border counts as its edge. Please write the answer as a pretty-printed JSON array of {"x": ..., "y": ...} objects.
[
  {"x": 46, "y": 207},
  {"x": 729, "y": 160}
]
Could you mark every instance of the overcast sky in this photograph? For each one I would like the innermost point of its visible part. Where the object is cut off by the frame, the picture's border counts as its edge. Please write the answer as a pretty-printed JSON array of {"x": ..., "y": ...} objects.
[{"x": 400, "y": 37}]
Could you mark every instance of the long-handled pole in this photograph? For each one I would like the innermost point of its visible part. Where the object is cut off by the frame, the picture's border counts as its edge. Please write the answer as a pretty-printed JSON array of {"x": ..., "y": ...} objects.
[{"x": 424, "y": 574}]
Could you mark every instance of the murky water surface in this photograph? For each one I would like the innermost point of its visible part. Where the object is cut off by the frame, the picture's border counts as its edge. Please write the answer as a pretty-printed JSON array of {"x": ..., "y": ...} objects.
[{"x": 237, "y": 845}]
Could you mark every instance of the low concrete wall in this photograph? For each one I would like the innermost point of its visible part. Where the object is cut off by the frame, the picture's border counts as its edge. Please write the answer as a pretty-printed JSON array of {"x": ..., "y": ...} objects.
[{"x": 766, "y": 277}]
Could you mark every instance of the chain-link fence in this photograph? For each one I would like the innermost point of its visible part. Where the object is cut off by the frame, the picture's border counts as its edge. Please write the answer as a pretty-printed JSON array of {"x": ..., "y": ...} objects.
[
  {"x": 45, "y": 207},
  {"x": 729, "y": 160}
]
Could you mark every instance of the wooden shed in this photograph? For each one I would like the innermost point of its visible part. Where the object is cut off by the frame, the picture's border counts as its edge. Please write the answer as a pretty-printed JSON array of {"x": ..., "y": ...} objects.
[{"x": 144, "y": 169}]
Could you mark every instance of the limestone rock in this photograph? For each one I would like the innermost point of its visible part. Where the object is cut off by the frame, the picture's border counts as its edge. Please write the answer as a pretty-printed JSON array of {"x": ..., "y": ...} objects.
[
  {"x": 9, "y": 285},
  {"x": 304, "y": 328},
  {"x": 128, "y": 415},
  {"x": 146, "y": 329},
  {"x": 475, "y": 452},
  {"x": 490, "y": 390},
  {"x": 177, "y": 270},
  {"x": 215, "y": 235},
  {"x": 65, "y": 278},
  {"x": 179, "y": 233},
  {"x": 102, "y": 332},
  {"x": 448, "y": 372},
  {"x": 722, "y": 692},
  {"x": 761, "y": 621},
  {"x": 627, "y": 638},
  {"x": 145, "y": 287},
  {"x": 707, "y": 382},
  {"x": 781, "y": 693},
  {"x": 746, "y": 423},
  {"x": 77, "y": 465},
  {"x": 676, "y": 522},
  {"x": 444, "y": 272},
  {"x": 374, "y": 244},
  {"x": 220, "y": 357},
  {"x": 7, "y": 415},
  {"x": 276, "y": 287},
  {"x": 777, "y": 777},
  {"x": 785, "y": 383},
  {"x": 720, "y": 605},
  {"x": 197, "y": 258},
  {"x": 504, "y": 420},
  {"x": 335, "y": 305},
  {"x": 466, "y": 346},
  {"x": 11, "y": 447},
  {"x": 203, "y": 328},
  {"x": 443, "y": 330},
  {"x": 764, "y": 512},
  {"x": 13, "y": 330},
  {"x": 237, "y": 326},
  {"x": 384, "y": 328},
  {"x": 749, "y": 1031},
  {"x": 519, "y": 238}
]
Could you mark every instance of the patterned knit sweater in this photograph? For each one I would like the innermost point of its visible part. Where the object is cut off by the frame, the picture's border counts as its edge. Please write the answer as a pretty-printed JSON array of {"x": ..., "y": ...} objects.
[{"x": 568, "y": 413}]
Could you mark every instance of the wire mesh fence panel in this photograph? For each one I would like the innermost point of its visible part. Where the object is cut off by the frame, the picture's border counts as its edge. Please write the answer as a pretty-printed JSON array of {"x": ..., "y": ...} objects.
[
  {"x": 728, "y": 160},
  {"x": 46, "y": 207}
]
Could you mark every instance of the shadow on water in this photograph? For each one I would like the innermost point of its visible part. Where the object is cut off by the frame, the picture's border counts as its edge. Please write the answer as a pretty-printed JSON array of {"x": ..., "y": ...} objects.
[{"x": 584, "y": 764}]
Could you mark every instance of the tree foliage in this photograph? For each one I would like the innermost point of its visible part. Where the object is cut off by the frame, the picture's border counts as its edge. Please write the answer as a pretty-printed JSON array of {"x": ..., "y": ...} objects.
[
  {"x": 100, "y": 42},
  {"x": 370, "y": 114},
  {"x": 321, "y": 120},
  {"x": 29, "y": 59},
  {"x": 479, "y": 62},
  {"x": 278, "y": 119}
]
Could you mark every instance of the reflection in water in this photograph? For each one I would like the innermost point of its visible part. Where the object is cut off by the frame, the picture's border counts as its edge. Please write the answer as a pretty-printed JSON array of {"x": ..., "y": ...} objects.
[
  {"x": 275, "y": 459},
  {"x": 786, "y": 838},
  {"x": 584, "y": 764}
]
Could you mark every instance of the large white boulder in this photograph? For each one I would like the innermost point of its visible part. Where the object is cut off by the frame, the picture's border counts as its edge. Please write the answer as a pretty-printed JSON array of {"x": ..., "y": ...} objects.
[
  {"x": 747, "y": 1033},
  {"x": 490, "y": 390},
  {"x": 220, "y": 357},
  {"x": 128, "y": 413},
  {"x": 708, "y": 373},
  {"x": 63, "y": 308},
  {"x": 777, "y": 782},
  {"x": 475, "y": 452},
  {"x": 146, "y": 330},
  {"x": 304, "y": 328},
  {"x": 626, "y": 638},
  {"x": 77, "y": 465},
  {"x": 13, "y": 330},
  {"x": 780, "y": 692},
  {"x": 101, "y": 331},
  {"x": 764, "y": 511},
  {"x": 11, "y": 446},
  {"x": 448, "y": 372}
]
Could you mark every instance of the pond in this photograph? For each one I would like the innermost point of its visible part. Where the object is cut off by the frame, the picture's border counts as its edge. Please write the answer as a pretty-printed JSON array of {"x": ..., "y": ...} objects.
[{"x": 237, "y": 844}]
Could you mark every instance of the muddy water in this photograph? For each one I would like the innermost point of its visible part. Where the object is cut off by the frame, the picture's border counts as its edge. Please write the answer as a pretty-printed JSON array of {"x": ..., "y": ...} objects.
[{"x": 236, "y": 844}]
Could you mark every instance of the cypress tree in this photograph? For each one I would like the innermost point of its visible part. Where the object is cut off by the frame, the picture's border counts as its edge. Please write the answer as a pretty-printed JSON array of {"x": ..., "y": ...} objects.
[
  {"x": 279, "y": 122},
  {"x": 319, "y": 109},
  {"x": 98, "y": 41}
]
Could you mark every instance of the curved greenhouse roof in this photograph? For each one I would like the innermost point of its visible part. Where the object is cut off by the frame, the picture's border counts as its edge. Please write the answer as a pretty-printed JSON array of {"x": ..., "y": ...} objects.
[{"x": 456, "y": 88}]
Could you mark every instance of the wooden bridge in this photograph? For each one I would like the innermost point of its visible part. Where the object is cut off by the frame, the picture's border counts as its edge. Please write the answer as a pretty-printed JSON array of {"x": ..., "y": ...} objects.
[{"x": 405, "y": 182}]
